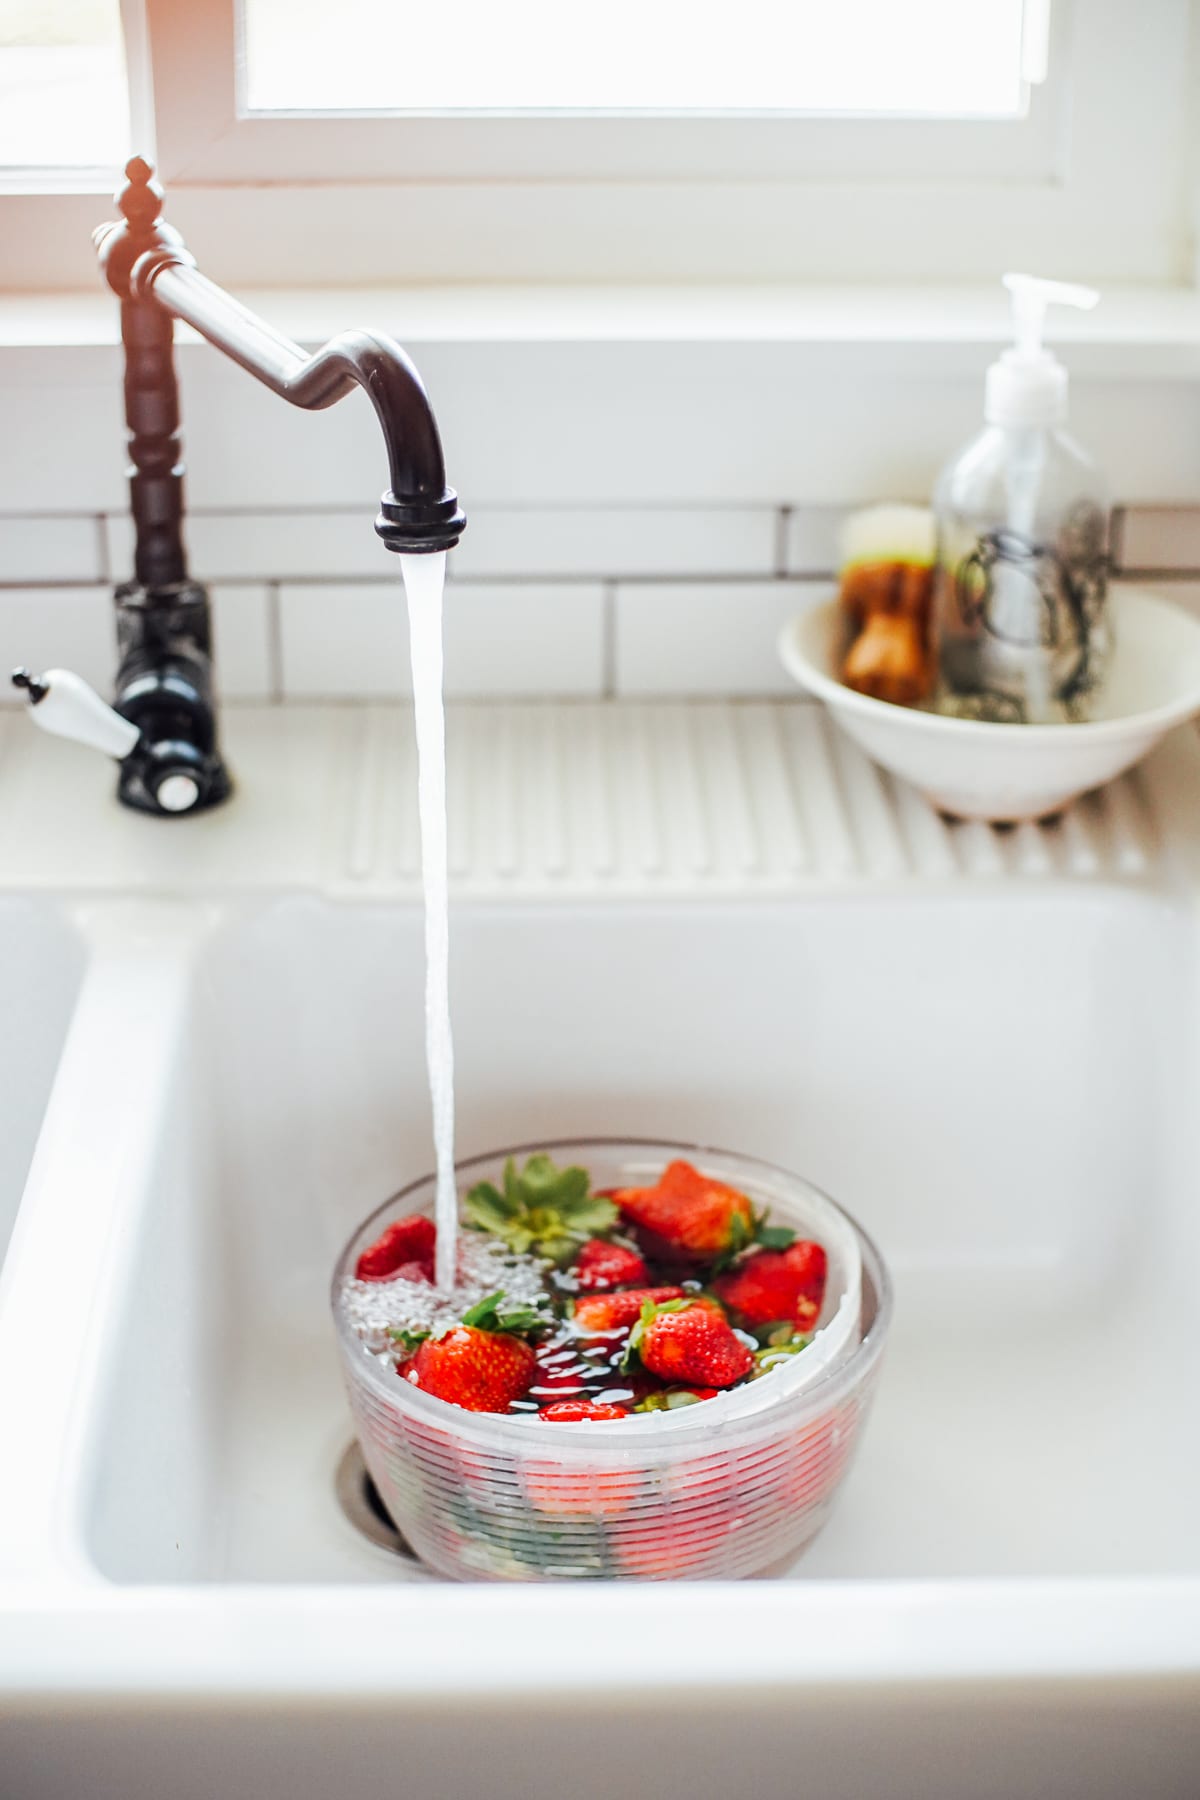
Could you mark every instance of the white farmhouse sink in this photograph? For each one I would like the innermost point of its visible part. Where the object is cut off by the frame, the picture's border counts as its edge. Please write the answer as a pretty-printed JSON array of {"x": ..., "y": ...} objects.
[
  {"x": 996, "y": 1076},
  {"x": 41, "y": 965},
  {"x": 1018, "y": 1160}
]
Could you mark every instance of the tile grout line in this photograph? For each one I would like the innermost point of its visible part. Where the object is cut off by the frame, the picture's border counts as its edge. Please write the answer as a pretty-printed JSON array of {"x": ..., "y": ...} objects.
[
  {"x": 274, "y": 643},
  {"x": 783, "y": 526},
  {"x": 677, "y": 578},
  {"x": 1180, "y": 572},
  {"x": 608, "y": 648},
  {"x": 103, "y": 556}
]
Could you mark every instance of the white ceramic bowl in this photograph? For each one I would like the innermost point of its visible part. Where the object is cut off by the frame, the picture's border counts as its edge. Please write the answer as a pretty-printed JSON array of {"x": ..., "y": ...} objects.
[{"x": 1009, "y": 772}]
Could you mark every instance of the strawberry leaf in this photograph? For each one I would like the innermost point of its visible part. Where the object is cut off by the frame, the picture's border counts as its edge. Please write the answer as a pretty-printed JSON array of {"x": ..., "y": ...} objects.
[
  {"x": 407, "y": 1340},
  {"x": 669, "y": 1401},
  {"x": 778, "y": 1332},
  {"x": 483, "y": 1309},
  {"x": 770, "y": 1354},
  {"x": 544, "y": 1184},
  {"x": 775, "y": 1237},
  {"x": 488, "y": 1209},
  {"x": 491, "y": 1314},
  {"x": 543, "y": 1209}
]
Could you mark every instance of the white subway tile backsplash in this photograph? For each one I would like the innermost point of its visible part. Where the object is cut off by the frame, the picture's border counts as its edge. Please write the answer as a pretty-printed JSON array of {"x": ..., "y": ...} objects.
[
  {"x": 348, "y": 641},
  {"x": 707, "y": 638},
  {"x": 528, "y": 631},
  {"x": 242, "y": 641},
  {"x": 524, "y": 640},
  {"x": 267, "y": 546},
  {"x": 342, "y": 642},
  {"x": 50, "y": 549},
  {"x": 63, "y": 435},
  {"x": 812, "y": 546},
  {"x": 118, "y": 545},
  {"x": 1160, "y": 537},
  {"x": 612, "y": 541},
  {"x": 74, "y": 628},
  {"x": 66, "y": 628}
]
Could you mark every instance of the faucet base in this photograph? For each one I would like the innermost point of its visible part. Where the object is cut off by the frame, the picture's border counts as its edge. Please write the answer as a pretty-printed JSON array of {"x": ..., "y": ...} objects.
[
  {"x": 165, "y": 688},
  {"x": 149, "y": 789}
]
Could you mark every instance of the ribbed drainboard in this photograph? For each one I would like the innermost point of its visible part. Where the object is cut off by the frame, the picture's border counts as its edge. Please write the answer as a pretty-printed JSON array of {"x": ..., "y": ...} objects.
[{"x": 724, "y": 797}]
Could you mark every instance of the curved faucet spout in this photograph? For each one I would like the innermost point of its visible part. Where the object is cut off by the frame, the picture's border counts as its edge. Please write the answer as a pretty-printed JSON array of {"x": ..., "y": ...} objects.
[
  {"x": 164, "y": 628},
  {"x": 146, "y": 262},
  {"x": 419, "y": 512}
]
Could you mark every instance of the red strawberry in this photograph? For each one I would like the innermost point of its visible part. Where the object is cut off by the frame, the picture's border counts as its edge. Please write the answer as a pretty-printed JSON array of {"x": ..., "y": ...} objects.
[
  {"x": 411, "y": 1240},
  {"x": 568, "y": 1492},
  {"x": 616, "y": 1312},
  {"x": 660, "y": 1554},
  {"x": 483, "y": 1371},
  {"x": 570, "y": 1412},
  {"x": 777, "y": 1286},
  {"x": 691, "y": 1212},
  {"x": 413, "y": 1271},
  {"x": 601, "y": 1265},
  {"x": 694, "y": 1344}
]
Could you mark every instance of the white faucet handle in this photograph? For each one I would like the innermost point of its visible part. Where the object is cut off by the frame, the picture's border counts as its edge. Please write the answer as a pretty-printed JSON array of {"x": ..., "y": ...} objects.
[{"x": 63, "y": 704}]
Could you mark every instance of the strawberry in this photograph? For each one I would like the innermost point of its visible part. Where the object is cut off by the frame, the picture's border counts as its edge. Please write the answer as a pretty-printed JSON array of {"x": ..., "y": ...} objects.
[
  {"x": 571, "y": 1412},
  {"x": 661, "y": 1554},
  {"x": 560, "y": 1489},
  {"x": 405, "y": 1241},
  {"x": 777, "y": 1286},
  {"x": 691, "y": 1342},
  {"x": 483, "y": 1371},
  {"x": 819, "y": 1455},
  {"x": 481, "y": 1364},
  {"x": 616, "y": 1312},
  {"x": 601, "y": 1265},
  {"x": 691, "y": 1212},
  {"x": 413, "y": 1271}
]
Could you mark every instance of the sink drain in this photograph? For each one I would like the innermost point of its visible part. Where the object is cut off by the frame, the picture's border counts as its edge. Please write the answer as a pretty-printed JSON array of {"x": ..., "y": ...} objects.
[{"x": 359, "y": 1499}]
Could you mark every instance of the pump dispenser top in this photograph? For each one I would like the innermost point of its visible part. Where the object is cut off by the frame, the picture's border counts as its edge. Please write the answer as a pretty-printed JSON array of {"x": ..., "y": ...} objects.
[
  {"x": 1021, "y": 628},
  {"x": 1027, "y": 385}
]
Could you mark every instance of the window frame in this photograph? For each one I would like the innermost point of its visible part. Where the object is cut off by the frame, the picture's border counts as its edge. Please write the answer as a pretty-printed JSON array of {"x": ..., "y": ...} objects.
[
  {"x": 205, "y": 134},
  {"x": 1098, "y": 182}
]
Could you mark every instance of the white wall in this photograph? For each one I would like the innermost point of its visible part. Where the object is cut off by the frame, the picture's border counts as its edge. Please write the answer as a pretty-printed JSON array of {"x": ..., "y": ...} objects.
[{"x": 644, "y": 510}]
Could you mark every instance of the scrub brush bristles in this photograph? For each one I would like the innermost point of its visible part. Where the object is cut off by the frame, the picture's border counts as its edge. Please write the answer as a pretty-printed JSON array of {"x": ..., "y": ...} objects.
[{"x": 889, "y": 534}]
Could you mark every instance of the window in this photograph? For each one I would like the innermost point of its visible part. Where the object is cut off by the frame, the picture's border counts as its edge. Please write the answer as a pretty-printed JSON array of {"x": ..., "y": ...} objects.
[
  {"x": 491, "y": 90},
  {"x": 63, "y": 97},
  {"x": 862, "y": 57},
  {"x": 330, "y": 142}
]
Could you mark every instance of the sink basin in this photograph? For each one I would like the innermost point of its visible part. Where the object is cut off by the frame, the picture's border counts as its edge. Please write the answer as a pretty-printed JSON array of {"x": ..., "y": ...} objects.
[
  {"x": 1018, "y": 1160},
  {"x": 41, "y": 965},
  {"x": 990, "y": 1060}
]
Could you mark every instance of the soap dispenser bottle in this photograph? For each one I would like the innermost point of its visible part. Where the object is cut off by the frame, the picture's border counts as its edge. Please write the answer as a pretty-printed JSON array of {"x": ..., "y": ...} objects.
[{"x": 1021, "y": 514}]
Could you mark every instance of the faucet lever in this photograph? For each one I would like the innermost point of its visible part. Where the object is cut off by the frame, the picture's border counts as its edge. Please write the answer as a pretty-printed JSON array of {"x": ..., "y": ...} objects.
[
  {"x": 170, "y": 774},
  {"x": 66, "y": 706}
]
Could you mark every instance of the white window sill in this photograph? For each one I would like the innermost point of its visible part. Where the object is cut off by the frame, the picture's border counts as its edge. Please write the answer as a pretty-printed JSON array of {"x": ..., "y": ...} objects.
[{"x": 1136, "y": 332}]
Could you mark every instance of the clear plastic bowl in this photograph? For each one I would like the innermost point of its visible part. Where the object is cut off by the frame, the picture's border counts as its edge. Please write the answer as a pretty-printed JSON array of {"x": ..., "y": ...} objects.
[{"x": 730, "y": 1487}]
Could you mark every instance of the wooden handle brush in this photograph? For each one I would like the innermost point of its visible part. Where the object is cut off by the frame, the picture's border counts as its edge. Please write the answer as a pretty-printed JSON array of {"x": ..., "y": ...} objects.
[{"x": 887, "y": 594}]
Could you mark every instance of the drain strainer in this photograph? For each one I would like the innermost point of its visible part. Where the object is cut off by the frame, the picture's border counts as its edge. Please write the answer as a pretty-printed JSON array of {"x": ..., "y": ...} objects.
[{"x": 359, "y": 1499}]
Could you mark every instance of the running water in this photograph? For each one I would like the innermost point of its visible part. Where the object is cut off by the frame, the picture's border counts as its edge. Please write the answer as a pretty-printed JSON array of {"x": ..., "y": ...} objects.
[{"x": 424, "y": 578}]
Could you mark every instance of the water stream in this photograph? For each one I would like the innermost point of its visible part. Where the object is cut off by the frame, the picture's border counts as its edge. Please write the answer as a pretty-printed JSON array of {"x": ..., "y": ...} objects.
[{"x": 424, "y": 579}]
